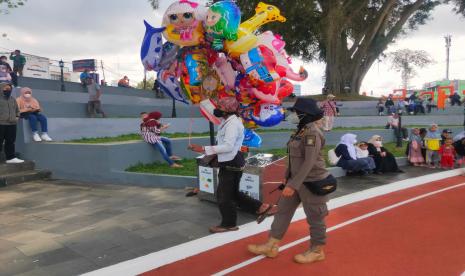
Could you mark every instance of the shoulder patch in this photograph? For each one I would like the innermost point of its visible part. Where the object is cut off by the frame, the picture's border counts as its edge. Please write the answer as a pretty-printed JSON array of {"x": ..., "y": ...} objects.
[{"x": 310, "y": 140}]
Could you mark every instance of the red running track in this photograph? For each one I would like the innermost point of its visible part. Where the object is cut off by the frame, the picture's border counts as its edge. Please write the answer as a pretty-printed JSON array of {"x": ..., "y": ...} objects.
[{"x": 420, "y": 231}]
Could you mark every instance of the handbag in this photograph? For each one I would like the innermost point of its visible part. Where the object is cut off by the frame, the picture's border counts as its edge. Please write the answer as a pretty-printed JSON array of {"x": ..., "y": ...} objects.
[{"x": 322, "y": 187}]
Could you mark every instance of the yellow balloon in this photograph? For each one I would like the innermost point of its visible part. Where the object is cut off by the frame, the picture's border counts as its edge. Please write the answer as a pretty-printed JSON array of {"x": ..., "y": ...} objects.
[{"x": 247, "y": 40}]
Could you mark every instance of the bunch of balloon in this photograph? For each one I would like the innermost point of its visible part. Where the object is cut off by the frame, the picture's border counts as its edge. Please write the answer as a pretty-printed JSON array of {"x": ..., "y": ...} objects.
[{"x": 210, "y": 54}]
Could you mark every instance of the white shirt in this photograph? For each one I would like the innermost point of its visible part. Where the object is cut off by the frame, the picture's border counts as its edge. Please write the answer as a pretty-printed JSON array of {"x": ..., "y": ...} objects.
[
  {"x": 361, "y": 153},
  {"x": 393, "y": 122},
  {"x": 229, "y": 138}
]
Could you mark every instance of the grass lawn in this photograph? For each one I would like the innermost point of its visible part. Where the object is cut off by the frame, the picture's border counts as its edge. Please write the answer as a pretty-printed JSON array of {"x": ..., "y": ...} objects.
[
  {"x": 136, "y": 137},
  {"x": 190, "y": 165}
]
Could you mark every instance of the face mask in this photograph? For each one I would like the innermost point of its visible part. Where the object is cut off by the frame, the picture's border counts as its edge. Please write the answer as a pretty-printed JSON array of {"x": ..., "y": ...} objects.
[
  {"x": 293, "y": 118},
  {"x": 378, "y": 144},
  {"x": 7, "y": 93},
  {"x": 218, "y": 113},
  {"x": 27, "y": 96}
]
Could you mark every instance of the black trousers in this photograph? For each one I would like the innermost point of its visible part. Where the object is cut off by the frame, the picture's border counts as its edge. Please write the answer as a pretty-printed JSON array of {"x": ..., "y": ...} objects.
[
  {"x": 404, "y": 132},
  {"x": 229, "y": 197},
  {"x": 8, "y": 134}
]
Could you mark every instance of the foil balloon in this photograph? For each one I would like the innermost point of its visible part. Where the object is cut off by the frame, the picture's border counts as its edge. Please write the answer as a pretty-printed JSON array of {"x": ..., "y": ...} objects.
[
  {"x": 251, "y": 139},
  {"x": 267, "y": 92},
  {"x": 285, "y": 89},
  {"x": 268, "y": 115},
  {"x": 170, "y": 54},
  {"x": 225, "y": 72},
  {"x": 170, "y": 85},
  {"x": 151, "y": 51},
  {"x": 222, "y": 21},
  {"x": 264, "y": 13},
  {"x": 260, "y": 63},
  {"x": 283, "y": 61},
  {"x": 195, "y": 69},
  {"x": 183, "y": 22},
  {"x": 206, "y": 108}
]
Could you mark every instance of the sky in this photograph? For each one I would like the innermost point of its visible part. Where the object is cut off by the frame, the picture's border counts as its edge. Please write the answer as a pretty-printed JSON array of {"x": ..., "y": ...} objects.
[{"x": 112, "y": 31}]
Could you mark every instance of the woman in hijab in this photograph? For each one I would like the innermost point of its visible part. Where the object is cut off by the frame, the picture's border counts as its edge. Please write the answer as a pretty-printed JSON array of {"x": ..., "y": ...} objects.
[
  {"x": 30, "y": 110},
  {"x": 348, "y": 156},
  {"x": 384, "y": 160}
]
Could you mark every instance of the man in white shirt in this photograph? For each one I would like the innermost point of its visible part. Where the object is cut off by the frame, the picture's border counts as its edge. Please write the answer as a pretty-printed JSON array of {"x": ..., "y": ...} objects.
[{"x": 231, "y": 162}]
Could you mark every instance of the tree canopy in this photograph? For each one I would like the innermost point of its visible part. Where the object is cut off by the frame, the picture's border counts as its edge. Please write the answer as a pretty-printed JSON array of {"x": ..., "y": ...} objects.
[
  {"x": 405, "y": 61},
  {"x": 6, "y": 5}
]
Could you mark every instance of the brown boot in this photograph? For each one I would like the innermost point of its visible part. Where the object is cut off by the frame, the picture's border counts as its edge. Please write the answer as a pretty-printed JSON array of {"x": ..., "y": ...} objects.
[
  {"x": 310, "y": 256},
  {"x": 269, "y": 249}
]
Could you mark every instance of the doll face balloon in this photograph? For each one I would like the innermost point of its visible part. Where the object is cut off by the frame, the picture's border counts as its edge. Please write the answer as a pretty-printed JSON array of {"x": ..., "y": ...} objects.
[
  {"x": 222, "y": 22},
  {"x": 183, "y": 22}
]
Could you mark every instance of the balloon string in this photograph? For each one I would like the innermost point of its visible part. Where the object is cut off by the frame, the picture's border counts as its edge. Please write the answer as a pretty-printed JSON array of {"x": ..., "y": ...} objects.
[{"x": 191, "y": 122}]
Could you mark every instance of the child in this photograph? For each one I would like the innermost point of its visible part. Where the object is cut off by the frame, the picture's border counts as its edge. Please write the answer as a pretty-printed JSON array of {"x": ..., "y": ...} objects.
[
  {"x": 362, "y": 150},
  {"x": 433, "y": 140},
  {"x": 414, "y": 154},
  {"x": 4, "y": 74},
  {"x": 150, "y": 129},
  {"x": 447, "y": 153},
  {"x": 363, "y": 154},
  {"x": 30, "y": 110},
  {"x": 444, "y": 135}
]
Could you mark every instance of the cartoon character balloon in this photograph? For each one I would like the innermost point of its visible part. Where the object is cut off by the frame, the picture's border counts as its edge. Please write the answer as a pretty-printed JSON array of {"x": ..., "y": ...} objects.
[
  {"x": 183, "y": 22},
  {"x": 251, "y": 139},
  {"x": 268, "y": 115},
  {"x": 169, "y": 84},
  {"x": 264, "y": 13},
  {"x": 222, "y": 21},
  {"x": 151, "y": 50}
]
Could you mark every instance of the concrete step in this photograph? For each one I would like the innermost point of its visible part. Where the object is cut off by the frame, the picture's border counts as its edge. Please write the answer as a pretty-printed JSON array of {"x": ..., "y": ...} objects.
[
  {"x": 23, "y": 176},
  {"x": 13, "y": 168}
]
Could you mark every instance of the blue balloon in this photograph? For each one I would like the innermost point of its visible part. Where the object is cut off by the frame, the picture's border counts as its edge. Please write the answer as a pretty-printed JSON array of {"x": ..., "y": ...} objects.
[
  {"x": 151, "y": 50},
  {"x": 251, "y": 139},
  {"x": 170, "y": 55},
  {"x": 269, "y": 115},
  {"x": 170, "y": 85}
]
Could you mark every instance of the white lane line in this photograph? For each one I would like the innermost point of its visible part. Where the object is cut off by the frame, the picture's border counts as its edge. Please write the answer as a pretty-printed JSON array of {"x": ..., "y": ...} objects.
[
  {"x": 173, "y": 254},
  {"x": 340, "y": 225}
]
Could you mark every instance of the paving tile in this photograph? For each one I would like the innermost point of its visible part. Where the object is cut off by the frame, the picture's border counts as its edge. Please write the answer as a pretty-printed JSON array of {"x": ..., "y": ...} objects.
[
  {"x": 29, "y": 236},
  {"x": 40, "y": 246},
  {"x": 55, "y": 256},
  {"x": 133, "y": 225},
  {"x": 5, "y": 245},
  {"x": 113, "y": 256},
  {"x": 70, "y": 267}
]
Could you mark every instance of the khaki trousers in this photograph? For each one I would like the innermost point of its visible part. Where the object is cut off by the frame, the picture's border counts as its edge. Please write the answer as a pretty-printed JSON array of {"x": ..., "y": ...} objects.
[
  {"x": 329, "y": 122},
  {"x": 315, "y": 209}
]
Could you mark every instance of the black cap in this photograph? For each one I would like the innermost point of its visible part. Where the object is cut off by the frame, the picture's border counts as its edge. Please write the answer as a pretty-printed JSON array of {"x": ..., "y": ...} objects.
[
  {"x": 308, "y": 106},
  {"x": 447, "y": 131}
]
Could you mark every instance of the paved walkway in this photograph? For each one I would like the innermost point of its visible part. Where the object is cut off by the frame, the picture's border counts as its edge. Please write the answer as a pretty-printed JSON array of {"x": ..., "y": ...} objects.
[{"x": 63, "y": 228}]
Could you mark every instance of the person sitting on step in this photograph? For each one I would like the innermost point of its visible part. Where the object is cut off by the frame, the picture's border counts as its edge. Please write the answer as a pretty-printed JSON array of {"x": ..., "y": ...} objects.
[
  {"x": 30, "y": 110},
  {"x": 150, "y": 130}
]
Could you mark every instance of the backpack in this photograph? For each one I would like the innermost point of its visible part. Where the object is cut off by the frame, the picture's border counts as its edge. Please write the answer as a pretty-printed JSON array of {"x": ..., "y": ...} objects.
[{"x": 332, "y": 157}]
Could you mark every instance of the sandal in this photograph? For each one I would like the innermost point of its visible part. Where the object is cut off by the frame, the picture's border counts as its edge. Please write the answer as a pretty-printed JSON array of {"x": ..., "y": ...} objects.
[
  {"x": 268, "y": 212},
  {"x": 221, "y": 229}
]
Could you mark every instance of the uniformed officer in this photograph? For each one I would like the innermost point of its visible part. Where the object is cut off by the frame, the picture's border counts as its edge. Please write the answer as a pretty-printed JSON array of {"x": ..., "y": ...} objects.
[{"x": 306, "y": 164}]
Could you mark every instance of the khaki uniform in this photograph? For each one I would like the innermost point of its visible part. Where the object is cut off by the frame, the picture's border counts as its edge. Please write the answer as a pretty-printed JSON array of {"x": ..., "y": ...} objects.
[{"x": 306, "y": 163}]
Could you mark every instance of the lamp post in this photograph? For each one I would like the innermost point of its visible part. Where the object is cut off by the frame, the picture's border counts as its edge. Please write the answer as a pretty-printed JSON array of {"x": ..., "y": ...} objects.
[
  {"x": 399, "y": 130},
  {"x": 173, "y": 109},
  {"x": 62, "y": 79}
]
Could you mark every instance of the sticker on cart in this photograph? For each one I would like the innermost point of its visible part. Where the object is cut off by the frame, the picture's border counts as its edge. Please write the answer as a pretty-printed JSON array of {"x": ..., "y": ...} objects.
[
  {"x": 250, "y": 184},
  {"x": 206, "y": 180}
]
